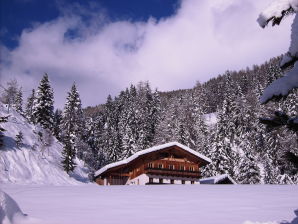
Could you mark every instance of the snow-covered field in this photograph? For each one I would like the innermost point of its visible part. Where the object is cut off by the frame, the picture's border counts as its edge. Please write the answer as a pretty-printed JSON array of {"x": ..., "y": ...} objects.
[{"x": 205, "y": 204}]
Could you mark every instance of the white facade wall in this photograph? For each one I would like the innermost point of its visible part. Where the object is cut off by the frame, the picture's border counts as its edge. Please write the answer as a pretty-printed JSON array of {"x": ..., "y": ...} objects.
[
  {"x": 177, "y": 180},
  {"x": 139, "y": 180},
  {"x": 143, "y": 179}
]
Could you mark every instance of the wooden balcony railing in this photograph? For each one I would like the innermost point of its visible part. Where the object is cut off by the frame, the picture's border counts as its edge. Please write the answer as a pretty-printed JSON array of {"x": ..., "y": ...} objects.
[{"x": 172, "y": 172}]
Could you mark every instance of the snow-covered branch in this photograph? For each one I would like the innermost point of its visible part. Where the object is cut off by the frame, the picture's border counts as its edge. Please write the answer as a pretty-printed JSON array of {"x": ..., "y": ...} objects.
[{"x": 275, "y": 12}]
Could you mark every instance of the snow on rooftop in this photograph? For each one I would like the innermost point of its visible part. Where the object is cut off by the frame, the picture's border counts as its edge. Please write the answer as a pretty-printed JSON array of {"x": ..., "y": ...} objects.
[
  {"x": 217, "y": 179},
  {"x": 152, "y": 149}
]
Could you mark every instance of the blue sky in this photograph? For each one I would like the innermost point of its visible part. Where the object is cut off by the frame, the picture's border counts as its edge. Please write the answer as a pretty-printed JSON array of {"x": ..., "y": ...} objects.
[
  {"x": 104, "y": 46},
  {"x": 17, "y": 15}
]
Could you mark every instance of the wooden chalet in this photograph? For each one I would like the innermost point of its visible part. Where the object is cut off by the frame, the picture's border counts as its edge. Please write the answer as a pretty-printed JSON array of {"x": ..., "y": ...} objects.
[{"x": 171, "y": 163}]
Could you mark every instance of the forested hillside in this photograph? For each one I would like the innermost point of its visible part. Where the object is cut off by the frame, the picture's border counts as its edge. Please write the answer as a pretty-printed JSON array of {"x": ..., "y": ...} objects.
[
  {"x": 238, "y": 144},
  {"x": 31, "y": 156},
  {"x": 140, "y": 117}
]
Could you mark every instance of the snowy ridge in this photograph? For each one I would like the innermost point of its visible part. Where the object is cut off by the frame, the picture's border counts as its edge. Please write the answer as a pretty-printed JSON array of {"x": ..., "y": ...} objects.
[
  {"x": 145, "y": 151},
  {"x": 28, "y": 163}
]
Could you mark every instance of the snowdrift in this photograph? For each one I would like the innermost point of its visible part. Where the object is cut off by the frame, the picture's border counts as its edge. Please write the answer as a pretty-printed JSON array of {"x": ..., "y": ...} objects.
[
  {"x": 9, "y": 209},
  {"x": 31, "y": 163}
]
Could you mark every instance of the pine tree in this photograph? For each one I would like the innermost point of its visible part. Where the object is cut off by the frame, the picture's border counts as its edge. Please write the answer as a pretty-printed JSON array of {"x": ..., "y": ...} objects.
[
  {"x": 112, "y": 139},
  {"x": 57, "y": 124},
  {"x": 124, "y": 124},
  {"x": 248, "y": 171},
  {"x": 2, "y": 130},
  {"x": 68, "y": 154},
  {"x": 225, "y": 158},
  {"x": 146, "y": 115},
  {"x": 10, "y": 93},
  {"x": 182, "y": 138},
  {"x": 19, "y": 101},
  {"x": 95, "y": 139},
  {"x": 93, "y": 154},
  {"x": 30, "y": 106},
  {"x": 19, "y": 139},
  {"x": 72, "y": 126},
  {"x": 43, "y": 110}
]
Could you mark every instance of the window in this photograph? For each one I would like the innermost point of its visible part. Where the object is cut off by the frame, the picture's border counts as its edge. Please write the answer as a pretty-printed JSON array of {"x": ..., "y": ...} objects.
[
  {"x": 182, "y": 167},
  {"x": 191, "y": 168},
  {"x": 160, "y": 166},
  {"x": 150, "y": 165},
  {"x": 150, "y": 180},
  {"x": 172, "y": 181},
  {"x": 182, "y": 181},
  {"x": 160, "y": 180},
  {"x": 192, "y": 182},
  {"x": 171, "y": 167}
]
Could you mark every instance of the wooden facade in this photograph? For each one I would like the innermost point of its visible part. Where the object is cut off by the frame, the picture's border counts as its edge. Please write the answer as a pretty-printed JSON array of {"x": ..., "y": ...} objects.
[{"x": 171, "y": 163}]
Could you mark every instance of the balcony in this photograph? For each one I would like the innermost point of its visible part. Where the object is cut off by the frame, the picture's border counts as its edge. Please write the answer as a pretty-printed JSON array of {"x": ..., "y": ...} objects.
[{"x": 172, "y": 172}]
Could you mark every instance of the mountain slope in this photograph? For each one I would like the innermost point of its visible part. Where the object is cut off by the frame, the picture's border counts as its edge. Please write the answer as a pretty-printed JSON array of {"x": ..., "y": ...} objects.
[{"x": 28, "y": 163}]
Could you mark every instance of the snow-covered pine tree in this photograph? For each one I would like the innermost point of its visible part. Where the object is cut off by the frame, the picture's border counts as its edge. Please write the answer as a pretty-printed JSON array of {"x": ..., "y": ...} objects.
[
  {"x": 111, "y": 135},
  {"x": 19, "y": 102},
  {"x": 182, "y": 138},
  {"x": 94, "y": 137},
  {"x": 275, "y": 13},
  {"x": 202, "y": 139},
  {"x": 30, "y": 106},
  {"x": 2, "y": 130},
  {"x": 10, "y": 93},
  {"x": 129, "y": 121},
  {"x": 163, "y": 133},
  {"x": 72, "y": 126},
  {"x": 225, "y": 158},
  {"x": 57, "y": 124},
  {"x": 248, "y": 171},
  {"x": 90, "y": 139},
  {"x": 19, "y": 139},
  {"x": 290, "y": 105},
  {"x": 43, "y": 110},
  {"x": 147, "y": 115},
  {"x": 187, "y": 120},
  {"x": 201, "y": 98},
  {"x": 68, "y": 154},
  {"x": 271, "y": 171},
  {"x": 155, "y": 112}
]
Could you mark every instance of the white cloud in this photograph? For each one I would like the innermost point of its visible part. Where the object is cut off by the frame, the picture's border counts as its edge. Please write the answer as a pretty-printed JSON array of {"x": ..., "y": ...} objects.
[{"x": 203, "y": 39}]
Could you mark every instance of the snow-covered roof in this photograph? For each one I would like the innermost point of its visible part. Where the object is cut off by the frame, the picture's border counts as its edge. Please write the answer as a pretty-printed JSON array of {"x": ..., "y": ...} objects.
[
  {"x": 153, "y": 149},
  {"x": 216, "y": 179}
]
